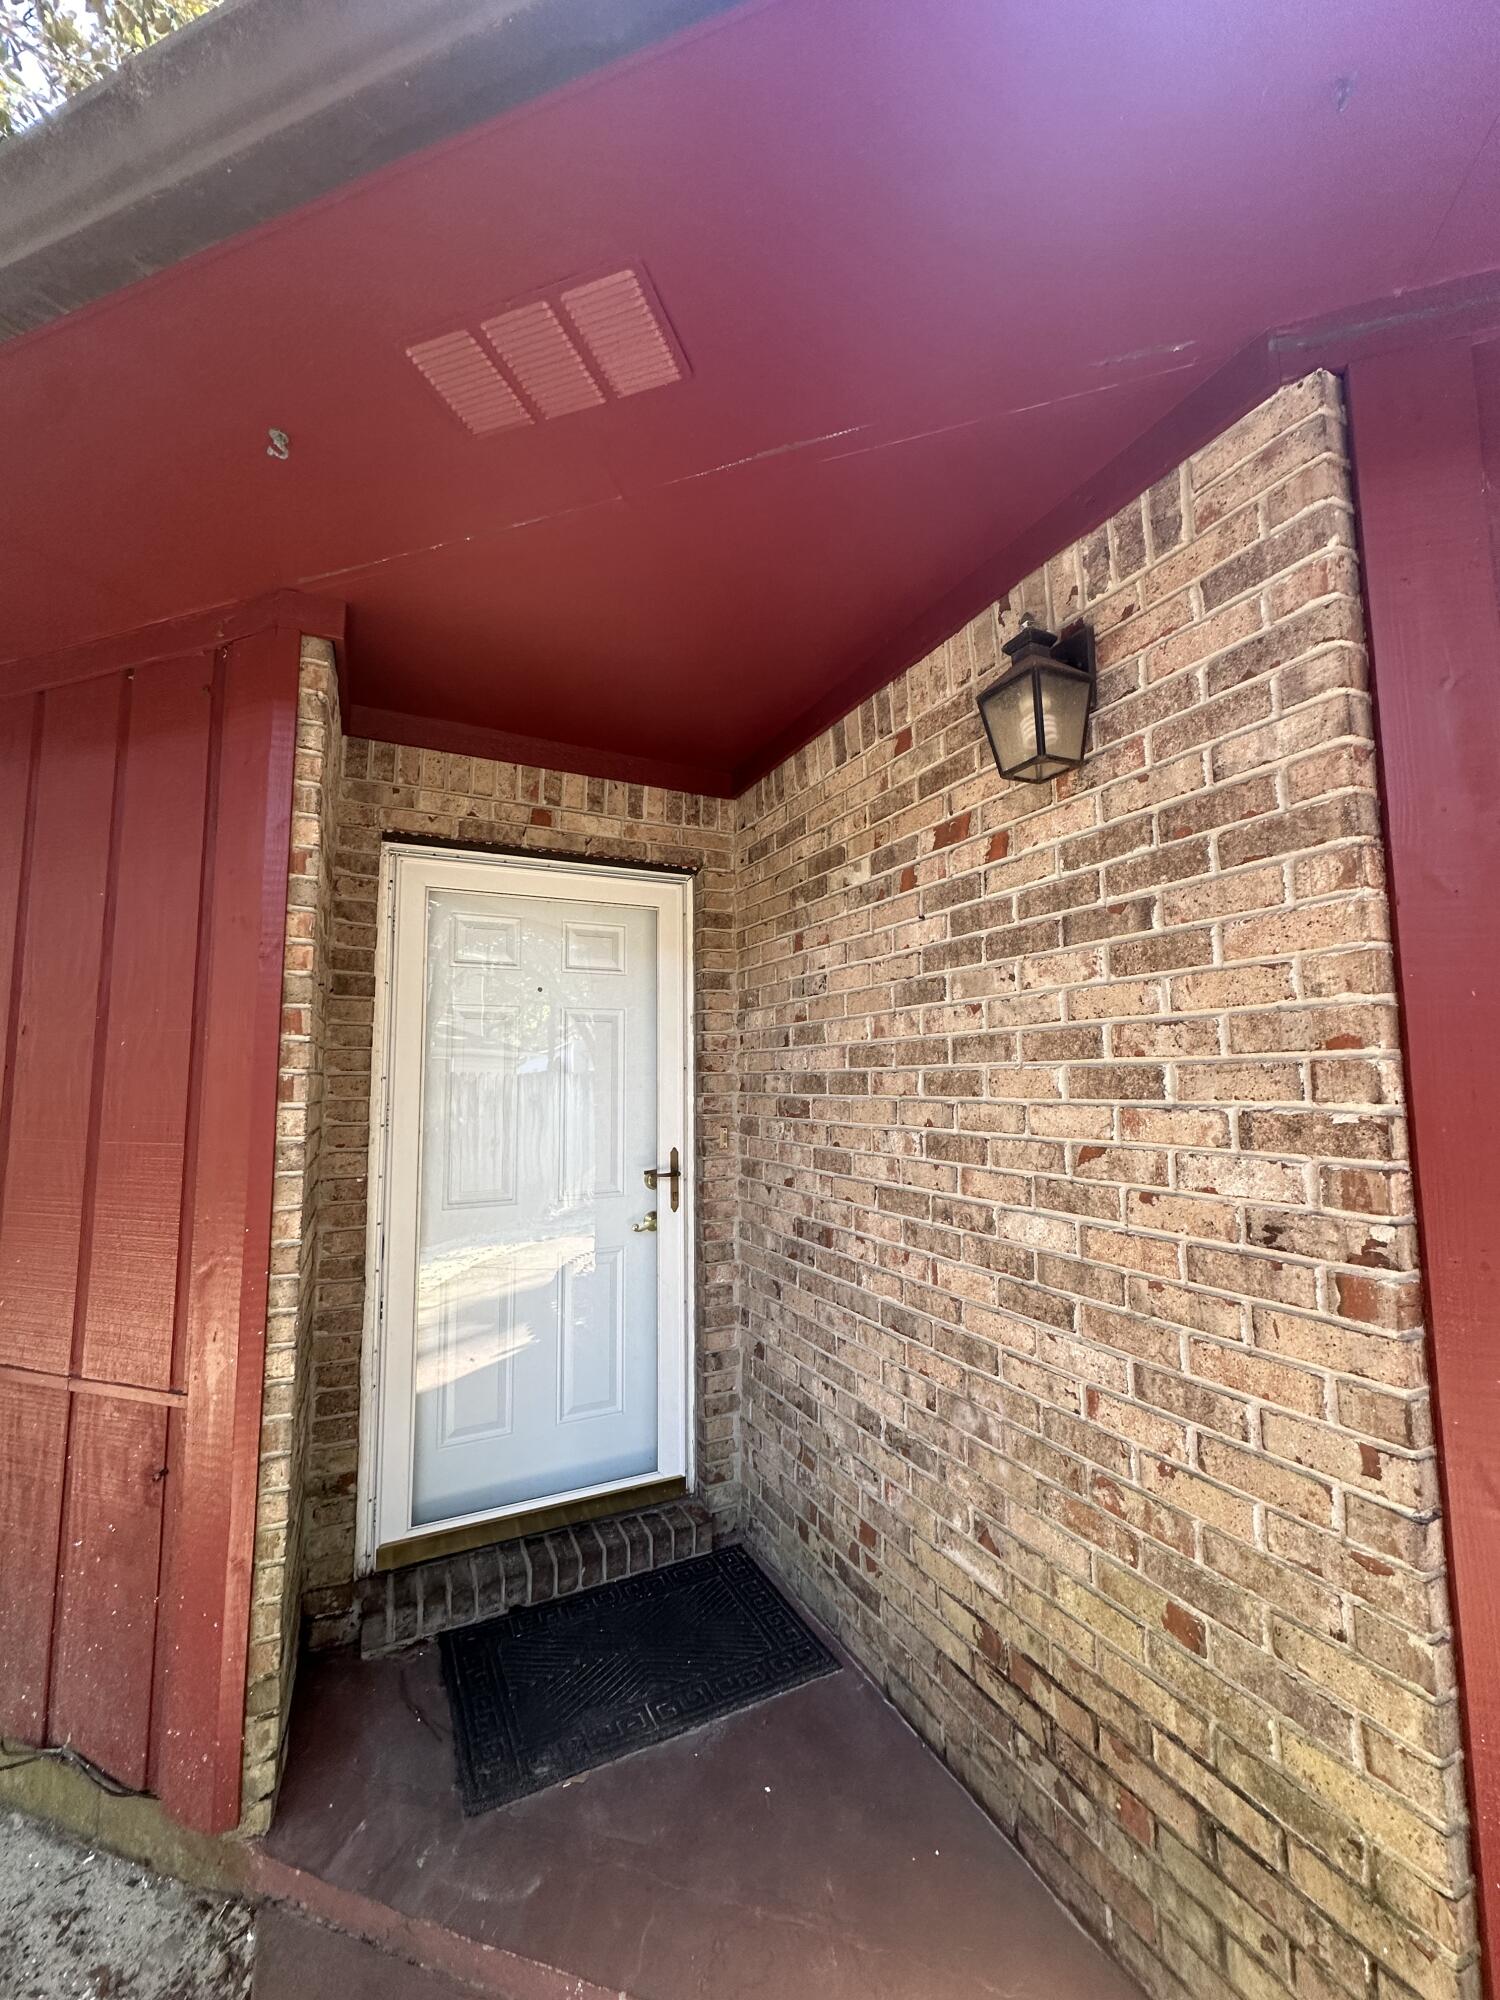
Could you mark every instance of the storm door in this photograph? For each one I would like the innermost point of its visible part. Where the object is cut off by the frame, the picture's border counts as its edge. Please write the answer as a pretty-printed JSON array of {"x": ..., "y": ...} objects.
[{"x": 533, "y": 1204}]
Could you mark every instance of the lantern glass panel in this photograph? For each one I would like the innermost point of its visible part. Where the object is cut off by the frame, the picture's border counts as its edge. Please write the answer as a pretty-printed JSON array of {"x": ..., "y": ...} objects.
[
  {"x": 1010, "y": 715},
  {"x": 1065, "y": 714}
]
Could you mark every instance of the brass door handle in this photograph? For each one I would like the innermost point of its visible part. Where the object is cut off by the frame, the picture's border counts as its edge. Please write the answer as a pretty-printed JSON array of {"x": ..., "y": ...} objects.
[
  {"x": 648, "y": 1227},
  {"x": 673, "y": 1174}
]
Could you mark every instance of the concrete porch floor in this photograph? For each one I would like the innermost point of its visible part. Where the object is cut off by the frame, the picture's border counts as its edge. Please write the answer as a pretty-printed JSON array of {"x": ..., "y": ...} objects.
[{"x": 807, "y": 1846}]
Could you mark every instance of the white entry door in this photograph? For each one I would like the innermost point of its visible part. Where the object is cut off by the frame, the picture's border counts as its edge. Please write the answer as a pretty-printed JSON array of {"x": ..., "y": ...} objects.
[{"x": 531, "y": 1334}]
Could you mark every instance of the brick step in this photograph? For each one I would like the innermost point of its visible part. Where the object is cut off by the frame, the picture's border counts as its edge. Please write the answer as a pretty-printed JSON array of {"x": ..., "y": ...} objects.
[{"x": 404, "y": 1606}]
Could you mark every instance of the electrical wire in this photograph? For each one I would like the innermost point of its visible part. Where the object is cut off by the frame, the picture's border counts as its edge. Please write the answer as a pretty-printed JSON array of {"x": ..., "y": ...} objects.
[{"x": 18, "y": 1756}]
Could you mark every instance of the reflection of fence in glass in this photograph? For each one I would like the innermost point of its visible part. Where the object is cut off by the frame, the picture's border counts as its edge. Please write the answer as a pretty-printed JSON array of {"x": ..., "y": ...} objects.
[
  {"x": 480, "y": 1126},
  {"x": 592, "y": 1078},
  {"x": 486, "y": 1034}
]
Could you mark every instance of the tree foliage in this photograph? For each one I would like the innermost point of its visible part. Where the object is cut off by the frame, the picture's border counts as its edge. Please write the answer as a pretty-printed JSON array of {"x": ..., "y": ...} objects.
[{"x": 52, "y": 49}]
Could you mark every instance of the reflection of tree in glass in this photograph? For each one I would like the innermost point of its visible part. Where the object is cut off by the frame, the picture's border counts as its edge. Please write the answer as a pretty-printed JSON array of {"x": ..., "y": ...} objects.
[
  {"x": 478, "y": 1023},
  {"x": 533, "y": 1070},
  {"x": 581, "y": 1075}
]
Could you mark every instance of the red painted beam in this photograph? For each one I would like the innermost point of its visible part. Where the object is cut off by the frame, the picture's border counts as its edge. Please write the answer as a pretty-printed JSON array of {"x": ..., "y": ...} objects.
[
  {"x": 1470, "y": 306},
  {"x": 1246, "y": 379},
  {"x": 463, "y": 739},
  {"x": 1422, "y": 451},
  {"x": 1461, "y": 308},
  {"x": 293, "y": 611},
  {"x": 213, "y": 1443}
]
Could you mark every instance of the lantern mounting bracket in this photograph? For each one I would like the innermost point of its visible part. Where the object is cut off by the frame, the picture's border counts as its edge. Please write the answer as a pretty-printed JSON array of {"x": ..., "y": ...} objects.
[{"x": 1074, "y": 646}]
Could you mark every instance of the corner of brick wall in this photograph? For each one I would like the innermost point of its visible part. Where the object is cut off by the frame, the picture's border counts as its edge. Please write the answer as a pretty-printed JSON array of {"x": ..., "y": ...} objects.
[
  {"x": 390, "y": 791},
  {"x": 1086, "y": 1392},
  {"x": 296, "y": 1202}
]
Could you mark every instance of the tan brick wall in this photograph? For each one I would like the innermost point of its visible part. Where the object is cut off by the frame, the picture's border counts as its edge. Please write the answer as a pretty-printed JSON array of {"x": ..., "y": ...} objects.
[
  {"x": 1085, "y": 1386},
  {"x": 473, "y": 801},
  {"x": 1070, "y": 1268},
  {"x": 297, "y": 1198}
]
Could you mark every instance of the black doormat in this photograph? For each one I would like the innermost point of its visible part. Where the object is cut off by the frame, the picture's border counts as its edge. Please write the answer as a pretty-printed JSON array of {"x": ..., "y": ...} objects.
[{"x": 549, "y": 1691}]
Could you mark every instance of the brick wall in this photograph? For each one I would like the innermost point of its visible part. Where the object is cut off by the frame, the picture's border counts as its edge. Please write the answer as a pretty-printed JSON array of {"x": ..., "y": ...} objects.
[
  {"x": 297, "y": 1199},
  {"x": 1085, "y": 1387},
  {"x": 472, "y": 801},
  {"x": 1059, "y": 1322}
]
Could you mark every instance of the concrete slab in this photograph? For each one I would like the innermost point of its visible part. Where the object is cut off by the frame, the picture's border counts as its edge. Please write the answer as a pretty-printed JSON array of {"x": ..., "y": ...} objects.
[
  {"x": 810, "y": 1845},
  {"x": 296, "y": 1959}
]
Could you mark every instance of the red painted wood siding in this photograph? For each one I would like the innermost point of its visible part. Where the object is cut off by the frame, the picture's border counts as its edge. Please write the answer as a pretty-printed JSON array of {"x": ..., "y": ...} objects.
[
  {"x": 144, "y": 832},
  {"x": 1425, "y": 426}
]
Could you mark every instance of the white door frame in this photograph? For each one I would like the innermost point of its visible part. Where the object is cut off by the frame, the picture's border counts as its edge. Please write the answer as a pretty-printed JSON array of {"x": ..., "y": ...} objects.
[{"x": 672, "y": 895}]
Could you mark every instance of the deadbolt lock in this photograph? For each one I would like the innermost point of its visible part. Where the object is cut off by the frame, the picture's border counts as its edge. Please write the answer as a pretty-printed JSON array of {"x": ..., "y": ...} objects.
[{"x": 673, "y": 1176}]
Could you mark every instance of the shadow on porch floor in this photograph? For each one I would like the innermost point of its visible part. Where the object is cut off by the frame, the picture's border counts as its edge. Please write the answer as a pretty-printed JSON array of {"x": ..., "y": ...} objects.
[{"x": 808, "y": 1846}]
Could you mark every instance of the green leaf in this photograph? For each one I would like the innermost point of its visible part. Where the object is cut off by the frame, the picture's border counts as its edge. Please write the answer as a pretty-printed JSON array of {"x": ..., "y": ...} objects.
[{"x": 50, "y": 51}]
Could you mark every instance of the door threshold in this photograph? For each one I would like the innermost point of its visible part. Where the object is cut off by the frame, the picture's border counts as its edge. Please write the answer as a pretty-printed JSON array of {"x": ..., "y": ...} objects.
[{"x": 426, "y": 1547}]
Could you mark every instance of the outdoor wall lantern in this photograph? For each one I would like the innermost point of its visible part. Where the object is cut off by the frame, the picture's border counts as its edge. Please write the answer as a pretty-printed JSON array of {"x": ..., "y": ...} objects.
[{"x": 1036, "y": 714}]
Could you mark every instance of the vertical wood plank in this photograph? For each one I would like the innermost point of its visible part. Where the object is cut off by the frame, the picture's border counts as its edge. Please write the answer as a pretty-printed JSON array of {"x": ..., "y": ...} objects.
[
  {"x": 213, "y": 1446},
  {"x": 17, "y": 732},
  {"x": 107, "y": 1584},
  {"x": 1419, "y": 452},
  {"x": 33, "y": 1443},
  {"x": 52, "y": 1061},
  {"x": 131, "y": 1278}
]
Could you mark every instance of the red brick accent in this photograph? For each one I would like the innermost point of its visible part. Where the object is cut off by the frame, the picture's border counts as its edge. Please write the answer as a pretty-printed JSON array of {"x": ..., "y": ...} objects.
[{"x": 405, "y": 1605}]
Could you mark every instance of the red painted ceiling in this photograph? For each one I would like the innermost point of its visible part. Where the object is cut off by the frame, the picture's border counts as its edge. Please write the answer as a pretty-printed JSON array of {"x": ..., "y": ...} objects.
[{"x": 931, "y": 262}]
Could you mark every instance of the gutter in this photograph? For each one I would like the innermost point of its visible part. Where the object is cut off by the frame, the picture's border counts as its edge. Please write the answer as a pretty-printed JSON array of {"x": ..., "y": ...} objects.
[{"x": 264, "y": 105}]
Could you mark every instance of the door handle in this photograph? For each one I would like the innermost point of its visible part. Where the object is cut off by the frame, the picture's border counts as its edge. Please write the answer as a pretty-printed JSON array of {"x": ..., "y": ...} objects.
[
  {"x": 672, "y": 1174},
  {"x": 646, "y": 1228}
]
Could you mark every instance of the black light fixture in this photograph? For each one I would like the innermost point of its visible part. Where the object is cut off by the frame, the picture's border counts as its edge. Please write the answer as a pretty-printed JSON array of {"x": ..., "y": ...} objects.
[{"x": 1036, "y": 714}]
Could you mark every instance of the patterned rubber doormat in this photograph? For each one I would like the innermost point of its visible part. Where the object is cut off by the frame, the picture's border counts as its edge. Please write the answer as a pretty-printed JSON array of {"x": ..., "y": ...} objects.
[{"x": 553, "y": 1690}]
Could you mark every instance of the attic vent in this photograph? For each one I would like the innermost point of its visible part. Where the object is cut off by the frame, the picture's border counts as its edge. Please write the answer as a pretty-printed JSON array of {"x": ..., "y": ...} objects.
[
  {"x": 616, "y": 320},
  {"x": 532, "y": 344},
  {"x": 570, "y": 351},
  {"x": 469, "y": 383}
]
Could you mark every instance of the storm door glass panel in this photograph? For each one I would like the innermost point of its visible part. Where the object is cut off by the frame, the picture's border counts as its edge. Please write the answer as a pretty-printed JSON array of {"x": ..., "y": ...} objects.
[{"x": 536, "y": 1293}]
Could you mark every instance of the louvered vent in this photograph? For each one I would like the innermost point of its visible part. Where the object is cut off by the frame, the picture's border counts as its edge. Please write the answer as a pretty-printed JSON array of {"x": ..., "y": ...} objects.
[
  {"x": 556, "y": 356},
  {"x": 615, "y": 318},
  {"x": 470, "y": 383},
  {"x": 546, "y": 364}
]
